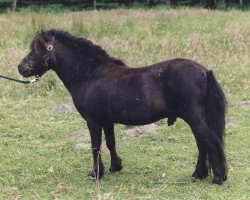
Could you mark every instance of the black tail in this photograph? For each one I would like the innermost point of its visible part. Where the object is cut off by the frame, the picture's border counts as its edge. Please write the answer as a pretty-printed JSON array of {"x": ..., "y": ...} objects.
[{"x": 215, "y": 106}]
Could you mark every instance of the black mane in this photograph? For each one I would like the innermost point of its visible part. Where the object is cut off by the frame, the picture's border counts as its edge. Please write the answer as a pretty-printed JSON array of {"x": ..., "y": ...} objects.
[{"x": 88, "y": 46}]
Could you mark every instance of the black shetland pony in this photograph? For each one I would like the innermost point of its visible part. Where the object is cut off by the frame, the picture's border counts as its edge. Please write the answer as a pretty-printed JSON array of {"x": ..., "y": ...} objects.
[{"x": 106, "y": 91}]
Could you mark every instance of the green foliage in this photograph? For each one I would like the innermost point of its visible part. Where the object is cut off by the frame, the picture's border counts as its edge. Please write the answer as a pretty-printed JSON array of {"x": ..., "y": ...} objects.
[
  {"x": 6, "y": 1},
  {"x": 45, "y": 152},
  {"x": 73, "y": 5}
]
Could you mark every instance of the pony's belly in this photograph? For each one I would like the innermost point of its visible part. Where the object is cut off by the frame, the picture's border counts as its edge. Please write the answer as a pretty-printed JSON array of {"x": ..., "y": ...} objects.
[{"x": 139, "y": 119}]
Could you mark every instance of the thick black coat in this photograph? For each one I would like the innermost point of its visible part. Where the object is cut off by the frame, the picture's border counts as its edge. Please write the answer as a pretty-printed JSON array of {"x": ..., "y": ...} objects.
[{"x": 106, "y": 91}]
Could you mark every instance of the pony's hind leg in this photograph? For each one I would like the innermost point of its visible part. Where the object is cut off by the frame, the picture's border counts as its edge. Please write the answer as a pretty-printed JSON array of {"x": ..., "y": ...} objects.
[
  {"x": 110, "y": 142},
  {"x": 201, "y": 170},
  {"x": 213, "y": 146},
  {"x": 96, "y": 140}
]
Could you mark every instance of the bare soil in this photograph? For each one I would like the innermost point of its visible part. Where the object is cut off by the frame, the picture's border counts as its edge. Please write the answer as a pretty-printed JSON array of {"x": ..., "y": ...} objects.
[
  {"x": 145, "y": 130},
  {"x": 230, "y": 123},
  {"x": 81, "y": 139},
  {"x": 244, "y": 104},
  {"x": 64, "y": 108}
]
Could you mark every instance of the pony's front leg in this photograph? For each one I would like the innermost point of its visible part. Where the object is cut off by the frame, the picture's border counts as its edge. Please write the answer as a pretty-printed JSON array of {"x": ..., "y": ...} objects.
[
  {"x": 116, "y": 162},
  {"x": 95, "y": 130}
]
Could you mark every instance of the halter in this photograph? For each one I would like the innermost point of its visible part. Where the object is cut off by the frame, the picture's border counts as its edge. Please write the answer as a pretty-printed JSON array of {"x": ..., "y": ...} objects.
[
  {"x": 49, "y": 48},
  {"x": 46, "y": 57}
]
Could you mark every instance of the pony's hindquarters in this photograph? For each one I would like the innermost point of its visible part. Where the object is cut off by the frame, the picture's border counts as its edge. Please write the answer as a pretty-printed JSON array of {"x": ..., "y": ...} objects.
[
  {"x": 200, "y": 101},
  {"x": 209, "y": 130}
]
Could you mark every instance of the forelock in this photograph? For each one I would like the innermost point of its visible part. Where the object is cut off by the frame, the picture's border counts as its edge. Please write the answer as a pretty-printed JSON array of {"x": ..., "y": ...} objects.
[{"x": 39, "y": 41}]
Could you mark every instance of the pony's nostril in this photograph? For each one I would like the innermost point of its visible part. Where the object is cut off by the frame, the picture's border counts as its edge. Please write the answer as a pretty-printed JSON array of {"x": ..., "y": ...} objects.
[
  {"x": 22, "y": 68},
  {"x": 30, "y": 65}
]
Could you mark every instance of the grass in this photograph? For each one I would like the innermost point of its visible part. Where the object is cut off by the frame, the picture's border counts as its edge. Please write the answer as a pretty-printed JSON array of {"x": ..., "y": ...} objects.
[{"x": 45, "y": 152}]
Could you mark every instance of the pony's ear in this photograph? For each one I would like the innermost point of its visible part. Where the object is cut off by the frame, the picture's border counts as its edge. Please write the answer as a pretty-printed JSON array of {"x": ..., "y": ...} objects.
[
  {"x": 48, "y": 38},
  {"x": 44, "y": 36},
  {"x": 42, "y": 40},
  {"x": 38, "y": 42}
]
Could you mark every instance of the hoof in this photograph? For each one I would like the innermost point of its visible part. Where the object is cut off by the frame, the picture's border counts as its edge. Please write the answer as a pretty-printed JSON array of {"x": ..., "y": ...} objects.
[
  {"x": 116, "y": 167},
  {"x": 93, "y": 176},
  {"x": 219, "y": 176},
  {"x": 219, "y": 180},
  {"x": 216, "y": 180},
  {"x": 199, "y": 175}
]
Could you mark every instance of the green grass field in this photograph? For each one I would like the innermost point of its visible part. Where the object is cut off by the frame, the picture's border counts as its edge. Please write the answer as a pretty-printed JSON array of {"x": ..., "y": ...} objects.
[{"x": 44, "y": 143}]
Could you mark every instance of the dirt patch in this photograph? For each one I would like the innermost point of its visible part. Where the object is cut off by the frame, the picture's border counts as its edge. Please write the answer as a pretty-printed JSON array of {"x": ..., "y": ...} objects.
[
  {"x": 61, "y": 188},
  {"x": 81, "y": 139},
  {"x": 172, "y": 138},
  {"x": 64, "y": 108},
  {"x": 244, "y": 104},
  {"x": 142, "y": 130},
  {"x": 231, "y": 123}
]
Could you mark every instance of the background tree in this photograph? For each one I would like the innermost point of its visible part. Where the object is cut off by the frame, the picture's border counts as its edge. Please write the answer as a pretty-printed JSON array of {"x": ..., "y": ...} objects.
[
  {"x": 210, "y": 4},
  {"x": 13, "y": 6},
  {"x": 116, "y": 3},
  {"x": 173, "y": 2}
]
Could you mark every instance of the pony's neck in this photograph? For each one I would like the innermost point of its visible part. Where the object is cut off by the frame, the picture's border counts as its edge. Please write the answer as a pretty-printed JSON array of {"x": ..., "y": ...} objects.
[{"x": 76, "y": 67}]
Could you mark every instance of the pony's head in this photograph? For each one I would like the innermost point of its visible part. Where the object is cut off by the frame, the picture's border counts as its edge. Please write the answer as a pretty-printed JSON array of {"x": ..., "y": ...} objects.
[
  {"x": 66, "y": 54},
  {"x": 40, "y": 58}
]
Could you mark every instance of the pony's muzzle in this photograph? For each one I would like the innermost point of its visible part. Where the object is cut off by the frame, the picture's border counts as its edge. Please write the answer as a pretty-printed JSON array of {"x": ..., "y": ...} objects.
[{"x": 25, "y": 70}]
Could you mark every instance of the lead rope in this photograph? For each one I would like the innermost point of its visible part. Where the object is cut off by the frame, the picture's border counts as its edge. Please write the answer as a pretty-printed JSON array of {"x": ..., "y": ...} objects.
[
  {"x": 98, "y": 163},
  {"x": 19, "y": 81}
]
